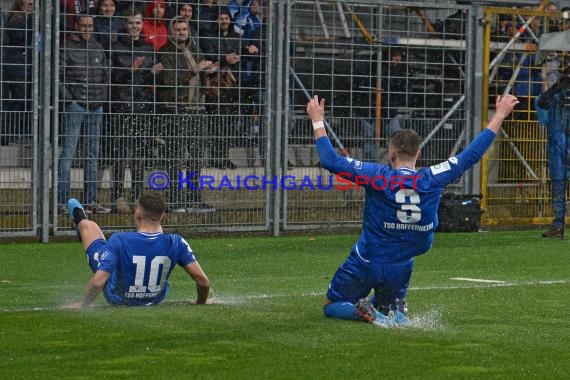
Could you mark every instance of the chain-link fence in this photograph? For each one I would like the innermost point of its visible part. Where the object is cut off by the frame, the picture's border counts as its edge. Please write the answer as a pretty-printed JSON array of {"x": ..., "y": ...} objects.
[
  {"x": 206, "y": 103},
  {"x": 517, "y": 183}
]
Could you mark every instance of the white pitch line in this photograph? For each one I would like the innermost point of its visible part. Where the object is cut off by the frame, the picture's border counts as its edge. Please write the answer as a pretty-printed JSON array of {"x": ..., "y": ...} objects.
[
  {"x": 478, "y": 280},
  {"x": 232, "y": 299}
]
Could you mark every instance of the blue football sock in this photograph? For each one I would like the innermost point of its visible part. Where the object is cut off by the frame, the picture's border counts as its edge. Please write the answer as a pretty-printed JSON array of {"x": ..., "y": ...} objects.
[{"x": 342, "y": 310}]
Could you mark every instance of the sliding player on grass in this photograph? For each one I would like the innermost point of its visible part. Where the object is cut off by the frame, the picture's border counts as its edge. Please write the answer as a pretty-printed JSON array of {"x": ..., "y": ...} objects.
[
  {"x": 132, "y": 268},
  {"x": 399, "y": 221}
]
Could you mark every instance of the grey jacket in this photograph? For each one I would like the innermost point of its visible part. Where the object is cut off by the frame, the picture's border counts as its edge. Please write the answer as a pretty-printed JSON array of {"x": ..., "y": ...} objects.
[{"x": 83, "y": 72}]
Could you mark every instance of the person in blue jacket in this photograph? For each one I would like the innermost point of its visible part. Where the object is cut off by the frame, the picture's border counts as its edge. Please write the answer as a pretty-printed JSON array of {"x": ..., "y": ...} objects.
[
  {"x": 553, "y": 108},
  {"x": 399, "y": 217}
]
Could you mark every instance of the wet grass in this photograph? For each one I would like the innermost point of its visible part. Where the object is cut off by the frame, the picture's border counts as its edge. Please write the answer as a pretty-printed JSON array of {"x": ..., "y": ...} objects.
[{"x": 266, "y": 320}]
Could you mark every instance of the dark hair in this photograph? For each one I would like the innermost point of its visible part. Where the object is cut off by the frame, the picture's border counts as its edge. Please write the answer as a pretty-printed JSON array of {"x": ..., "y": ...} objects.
[
  {"x": 406, "y": 143},
  {"x": 16, "y": 12},
  {"x": 100, "y": 3},
  {"x": 79, "y": 16},
  {"x": 130, "y": 10},
  {"x": 225, "y": 11},
  {"x": 182, "y": 3},
  {"x": 152, "y": 206}
]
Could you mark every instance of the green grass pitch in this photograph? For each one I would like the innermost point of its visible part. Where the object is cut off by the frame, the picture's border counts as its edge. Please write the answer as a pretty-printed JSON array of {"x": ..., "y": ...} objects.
[{"x": 267, "y": 322}]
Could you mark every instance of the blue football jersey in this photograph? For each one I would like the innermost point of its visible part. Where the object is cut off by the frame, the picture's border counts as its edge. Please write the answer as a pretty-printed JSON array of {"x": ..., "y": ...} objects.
[
  {"x": 400, "y": 207},
  {"x": 140, "y": 265}
]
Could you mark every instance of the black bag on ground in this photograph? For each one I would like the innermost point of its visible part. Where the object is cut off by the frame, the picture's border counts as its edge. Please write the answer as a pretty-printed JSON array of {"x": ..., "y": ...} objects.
[{"x": 459, "y": 213}]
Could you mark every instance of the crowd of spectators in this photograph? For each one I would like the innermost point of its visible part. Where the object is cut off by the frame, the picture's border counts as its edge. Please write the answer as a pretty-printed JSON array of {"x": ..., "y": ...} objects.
[
  {"x": 183, "y": 77},
  {"x": 18, "y": 37},
  {"x": 520, "y": 70},
  {"x": 138, "y": 77}
]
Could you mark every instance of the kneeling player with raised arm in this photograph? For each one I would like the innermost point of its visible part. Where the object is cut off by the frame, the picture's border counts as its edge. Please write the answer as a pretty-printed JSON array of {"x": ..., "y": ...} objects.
[
  {"x": 399, "y": 217},
  {"x": 132, "y": 268}
]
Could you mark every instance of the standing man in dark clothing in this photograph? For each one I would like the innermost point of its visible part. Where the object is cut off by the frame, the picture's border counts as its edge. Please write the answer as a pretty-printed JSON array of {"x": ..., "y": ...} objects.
[
  {"x": 133, "y": 71},
  {"x": 182, "y": 102},
  {"x": 206, "y": 16},
  {"x": 17, "y": 76},
  {"x": 84, "y": 89},
  {"x": 223, "y": 46}
]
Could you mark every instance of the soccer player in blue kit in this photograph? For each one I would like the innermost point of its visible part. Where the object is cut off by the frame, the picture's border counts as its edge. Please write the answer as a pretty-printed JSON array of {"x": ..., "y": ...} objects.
[
  {"x": 399, "y": 217},
  {"x": 133, "y": 268}
]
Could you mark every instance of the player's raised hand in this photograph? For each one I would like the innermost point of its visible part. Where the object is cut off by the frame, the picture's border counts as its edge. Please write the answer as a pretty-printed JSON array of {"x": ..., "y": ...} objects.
[
  {"x": 316, "y": 109},
  {"x": 505, "y": 104}
]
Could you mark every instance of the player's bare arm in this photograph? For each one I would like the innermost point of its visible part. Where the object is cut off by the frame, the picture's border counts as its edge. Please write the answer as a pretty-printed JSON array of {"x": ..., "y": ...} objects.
[
  {"x": 316, "y": 112},
  {"x": 202, "y": 282},
  {"x": 95, "y": 286}
]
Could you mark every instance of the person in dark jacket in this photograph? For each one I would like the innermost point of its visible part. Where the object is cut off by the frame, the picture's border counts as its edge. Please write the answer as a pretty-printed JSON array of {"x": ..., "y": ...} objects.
[
  {"x": 84, "y": 89},
  {"x": 554, "y": 112},
  {"x": 17, "y": 72},
  {"x": 252, "y": 86},
  {"x": 223, "y": 46},
  {"x": 107, "y": 24},
  {"x": 182, "y": 103},
  {"x": 206, "y": 17},
  {"x": 187, "y": 10},
  {"x": 133, "y": 72}
]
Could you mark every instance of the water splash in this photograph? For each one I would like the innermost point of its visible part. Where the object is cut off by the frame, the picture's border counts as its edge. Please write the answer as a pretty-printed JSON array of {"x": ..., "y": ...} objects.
[{"x": 430, "y": 321}]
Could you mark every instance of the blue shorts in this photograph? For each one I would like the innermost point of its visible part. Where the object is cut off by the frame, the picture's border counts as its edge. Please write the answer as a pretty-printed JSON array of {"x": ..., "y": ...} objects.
[
  {"x": 94, "y": 251},
  {"x": 356, "y": 277}
]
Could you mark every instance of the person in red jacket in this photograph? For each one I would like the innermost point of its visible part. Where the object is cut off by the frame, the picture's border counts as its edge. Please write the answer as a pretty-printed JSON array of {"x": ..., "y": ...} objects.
[{"x": 155, "y": 29}]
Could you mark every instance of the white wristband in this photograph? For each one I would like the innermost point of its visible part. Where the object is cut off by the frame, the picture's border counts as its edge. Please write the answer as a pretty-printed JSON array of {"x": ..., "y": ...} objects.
[{"x": 318, "y": 124}]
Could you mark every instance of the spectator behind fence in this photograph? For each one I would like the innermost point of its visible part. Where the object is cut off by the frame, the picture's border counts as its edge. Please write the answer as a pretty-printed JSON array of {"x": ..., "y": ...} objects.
[
  {"x": 106, "y": 30},
  {"x": 505, "y": 28},
  {"x": 222, "y": 87},
  {"x": 554, "y": 113},
  {"x": 453, "y": 27},
  {"x": 206, "y": 17},
  {"x": 553, "y": 61},
  {"x": 84, "y": 81},
  {"x": 107, "y": 25},
  {"x": 254, "y": 37},
  {"x": 187, "y": 10},
  {"x": 395, "y": 82},
  {"x": 551, "y": 24},
  {"x": 17, "y": 73},
  {"x": 254, "y": 40},
  {"x": 155, "y": 29},
  {"x": 526, "y": 86},
  {"x": 133, "y": 73},
  {"x": 182, "y": 103},
  {"x": 69, "y": 9}
]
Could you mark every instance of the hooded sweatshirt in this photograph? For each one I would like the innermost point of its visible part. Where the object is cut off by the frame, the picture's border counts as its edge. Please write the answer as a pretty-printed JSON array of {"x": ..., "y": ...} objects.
[{"x": 154, "y": 30}]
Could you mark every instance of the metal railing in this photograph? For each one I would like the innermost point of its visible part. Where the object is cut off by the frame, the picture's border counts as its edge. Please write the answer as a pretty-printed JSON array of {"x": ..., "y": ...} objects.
[{"x": 376, "y": 62}]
